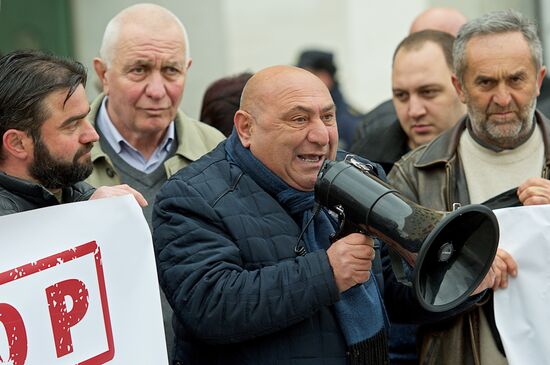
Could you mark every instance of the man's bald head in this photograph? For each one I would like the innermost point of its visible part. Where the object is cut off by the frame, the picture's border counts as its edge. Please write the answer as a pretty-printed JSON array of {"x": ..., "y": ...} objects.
[
  {"x": 140, "y": 18},
  {"x": 443, "y": 19},
  {"x": 287, "y": 120},
  {"x": 271, "y": 82}
]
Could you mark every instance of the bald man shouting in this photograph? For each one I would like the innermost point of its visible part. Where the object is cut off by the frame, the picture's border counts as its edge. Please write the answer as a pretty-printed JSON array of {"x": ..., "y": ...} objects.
[{"x": 226, "y": 232}]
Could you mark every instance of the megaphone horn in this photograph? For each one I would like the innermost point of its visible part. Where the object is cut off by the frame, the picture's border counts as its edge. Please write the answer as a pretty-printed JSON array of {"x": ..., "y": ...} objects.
[{"x": 451, "y": 252}]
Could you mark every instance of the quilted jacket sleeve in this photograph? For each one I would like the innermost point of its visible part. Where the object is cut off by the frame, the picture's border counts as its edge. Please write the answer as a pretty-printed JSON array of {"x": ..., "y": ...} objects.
[{"x": 215, "y": 295}]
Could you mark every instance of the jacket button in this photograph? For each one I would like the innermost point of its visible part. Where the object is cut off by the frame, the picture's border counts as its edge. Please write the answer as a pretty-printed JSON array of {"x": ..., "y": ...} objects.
[{"x": 110, "y": 172}]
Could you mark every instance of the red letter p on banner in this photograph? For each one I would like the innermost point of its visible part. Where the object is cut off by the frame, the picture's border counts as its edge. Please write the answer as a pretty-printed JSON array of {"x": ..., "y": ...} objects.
[{"x": 62, "y": 318}]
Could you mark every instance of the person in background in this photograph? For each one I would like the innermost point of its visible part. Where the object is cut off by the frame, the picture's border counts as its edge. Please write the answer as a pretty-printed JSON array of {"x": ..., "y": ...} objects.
[
  {"x": 498, "y": 150},
  {"x": 144, "y": 137},
  {"x": 444, "y": 19},
  {"x": 221, "y": 101},
  {"x": 424, "y": 98},
  {"x": 379, "y": 136},
  {"x": 321, "y": 63},
  {"x": 46, "y": 139}
]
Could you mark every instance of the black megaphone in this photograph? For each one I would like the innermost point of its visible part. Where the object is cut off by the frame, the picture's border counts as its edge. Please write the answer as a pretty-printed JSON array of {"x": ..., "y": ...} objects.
[{"x": 451, "y": 252}]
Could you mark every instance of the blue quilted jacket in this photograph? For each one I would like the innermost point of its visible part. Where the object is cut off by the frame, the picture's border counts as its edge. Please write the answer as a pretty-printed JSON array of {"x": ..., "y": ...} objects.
[{"x": 225, "y": 252}]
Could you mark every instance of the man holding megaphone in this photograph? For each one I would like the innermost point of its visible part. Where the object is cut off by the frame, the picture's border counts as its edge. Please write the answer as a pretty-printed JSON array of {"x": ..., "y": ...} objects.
[{"x": 245, "y": 254}]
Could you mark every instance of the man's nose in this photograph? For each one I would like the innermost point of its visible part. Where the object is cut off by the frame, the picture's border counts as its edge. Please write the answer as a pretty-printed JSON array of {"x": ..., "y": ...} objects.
[
  {"x": 416, "y": 107},
  {"x": 89, "y": 133},
  {"x": 155, "y": 87},
  {"x": 319, "y": 132},
  {"x": 502, "y": 96}
]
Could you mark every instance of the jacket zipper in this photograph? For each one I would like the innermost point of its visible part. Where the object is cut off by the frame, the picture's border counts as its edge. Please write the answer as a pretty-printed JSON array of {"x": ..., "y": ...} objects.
[{"x": 449, "y": 201}]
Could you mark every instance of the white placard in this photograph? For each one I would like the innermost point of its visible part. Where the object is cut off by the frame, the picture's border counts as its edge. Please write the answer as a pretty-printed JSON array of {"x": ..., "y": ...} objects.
[
  {"x": 78, "y": 285},
  {"x": 521, "y": 310}
]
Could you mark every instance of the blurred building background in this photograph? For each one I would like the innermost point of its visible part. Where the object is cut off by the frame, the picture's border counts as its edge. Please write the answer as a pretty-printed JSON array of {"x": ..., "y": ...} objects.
[{"x": 231, "y": 36}]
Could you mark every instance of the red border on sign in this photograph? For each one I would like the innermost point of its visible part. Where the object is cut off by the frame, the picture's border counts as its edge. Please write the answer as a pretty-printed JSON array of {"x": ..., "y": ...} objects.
[{"x": 58, "y": 259}]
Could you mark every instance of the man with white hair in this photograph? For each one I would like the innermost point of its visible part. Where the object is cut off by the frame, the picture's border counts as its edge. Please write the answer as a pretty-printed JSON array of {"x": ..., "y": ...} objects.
[{"x": 144, "y": 138}]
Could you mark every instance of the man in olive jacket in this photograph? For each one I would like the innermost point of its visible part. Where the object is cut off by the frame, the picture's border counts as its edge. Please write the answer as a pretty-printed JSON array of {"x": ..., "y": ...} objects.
[
  {"x": 144, "y": 138},
  {"x": 499, "y": 149}
]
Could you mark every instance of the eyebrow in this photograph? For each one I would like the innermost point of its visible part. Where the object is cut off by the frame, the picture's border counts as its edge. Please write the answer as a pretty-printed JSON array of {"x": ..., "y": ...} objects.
[
  {"x": 305, "y": 109},
  {"x": 139, "y": 62},
  {"x": 69, "y": 120},
  {"x": 434, "y": 85},
  {"x": 519, "y": 73},
  {"x": 329, "y": 108},
  {"x": 421, "y": 87},
  {"x": 148, "y": 63}
]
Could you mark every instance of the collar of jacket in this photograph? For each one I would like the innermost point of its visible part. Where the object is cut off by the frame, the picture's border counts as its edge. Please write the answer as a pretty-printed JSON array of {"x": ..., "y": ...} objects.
[
  {"x": 39, "y": 195},
  {"x": 384, "y": 141},
  {"x": 34, "y": 193},
  {"x": 184, "y": 134},
  {"x": 443, "y": 148}
]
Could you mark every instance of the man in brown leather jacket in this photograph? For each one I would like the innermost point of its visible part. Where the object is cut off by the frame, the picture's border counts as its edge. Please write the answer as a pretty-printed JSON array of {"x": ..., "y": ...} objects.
[{"x": 500, "y": 146}]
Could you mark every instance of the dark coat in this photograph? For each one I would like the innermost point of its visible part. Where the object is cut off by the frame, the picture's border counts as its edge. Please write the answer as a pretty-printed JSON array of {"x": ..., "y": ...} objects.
[
  {"x": 346, "y": 116},
  {"x": 383, "y": 143},
  {"x": 17, "y": 195},
  {"x": 226, "y": 261}
]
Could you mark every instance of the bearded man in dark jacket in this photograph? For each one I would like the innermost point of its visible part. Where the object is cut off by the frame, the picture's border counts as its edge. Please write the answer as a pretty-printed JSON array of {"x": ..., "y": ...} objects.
[{"x": 46, "y": 140}]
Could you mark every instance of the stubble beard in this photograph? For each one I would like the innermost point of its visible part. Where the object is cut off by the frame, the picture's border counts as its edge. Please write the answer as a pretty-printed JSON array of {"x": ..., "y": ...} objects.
[{"x": 508, "y": 136}]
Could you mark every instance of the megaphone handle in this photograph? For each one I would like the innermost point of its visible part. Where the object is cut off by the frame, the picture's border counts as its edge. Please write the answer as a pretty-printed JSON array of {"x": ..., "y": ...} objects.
[
  {"x": 345, "y": 227},
  {"x": 397, "y": 266}
]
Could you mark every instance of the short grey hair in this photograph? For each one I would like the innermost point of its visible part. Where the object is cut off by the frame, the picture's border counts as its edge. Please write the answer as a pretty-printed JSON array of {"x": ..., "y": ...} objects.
[
  {"x": 112, "y": 32},
  {"x": 496, "y": 22}
]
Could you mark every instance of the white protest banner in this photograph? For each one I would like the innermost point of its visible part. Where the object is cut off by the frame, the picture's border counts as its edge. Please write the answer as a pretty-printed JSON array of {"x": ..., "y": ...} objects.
[
  {"x": 521, "y": 310},
  {"x": 78, "y": 285}
]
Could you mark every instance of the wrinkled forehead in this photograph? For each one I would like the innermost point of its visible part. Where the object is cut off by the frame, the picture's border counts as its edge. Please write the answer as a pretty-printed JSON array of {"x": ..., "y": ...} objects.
[
  {"x": 169, "y": 40},
  {"x": 498, "y": 46}
]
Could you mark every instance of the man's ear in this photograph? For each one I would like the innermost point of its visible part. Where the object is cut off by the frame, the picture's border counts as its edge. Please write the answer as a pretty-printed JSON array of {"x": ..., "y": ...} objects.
[
  {"x": 17, "y": 144},
  {"x": 100, "y": 68},
  {"x": 458, "y": 87},
  {"x": 244, "y": 124},
  {"x": 540, "y": 77}
]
